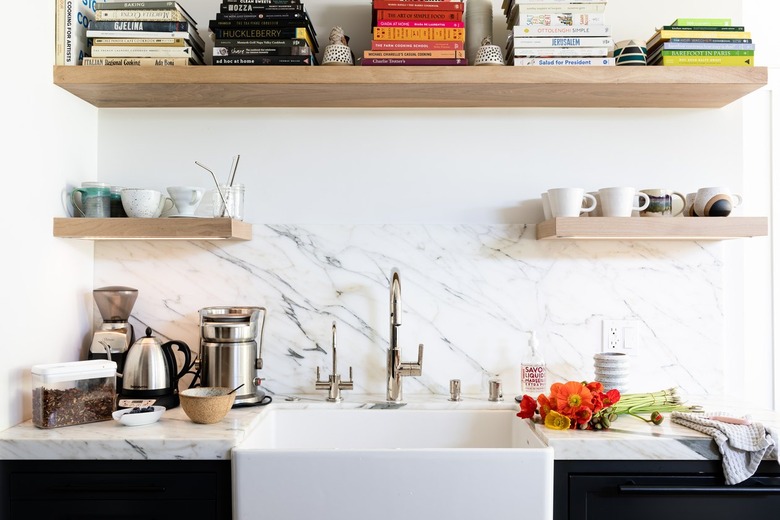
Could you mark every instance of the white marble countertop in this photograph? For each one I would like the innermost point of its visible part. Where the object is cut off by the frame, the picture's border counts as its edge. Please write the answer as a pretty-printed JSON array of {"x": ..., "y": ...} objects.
[{"x": 174, "y": 436}]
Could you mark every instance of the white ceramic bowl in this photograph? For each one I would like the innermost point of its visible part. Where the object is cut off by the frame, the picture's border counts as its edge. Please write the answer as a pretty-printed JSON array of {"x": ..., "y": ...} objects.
[{"x": 138, "y": 419}]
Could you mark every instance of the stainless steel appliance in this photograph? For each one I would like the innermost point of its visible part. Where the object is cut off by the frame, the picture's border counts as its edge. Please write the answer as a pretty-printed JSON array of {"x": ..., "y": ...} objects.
[
  {"x": 151, "y": 373},
  {"x": 229, "y": 353},
  {"x": 115, "y": 335}
]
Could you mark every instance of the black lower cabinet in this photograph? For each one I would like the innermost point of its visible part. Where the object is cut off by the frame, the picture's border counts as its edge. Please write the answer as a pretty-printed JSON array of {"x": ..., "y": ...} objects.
[
  {"x": 662, "y": 490},
  {"x": 115, "y": 490}
]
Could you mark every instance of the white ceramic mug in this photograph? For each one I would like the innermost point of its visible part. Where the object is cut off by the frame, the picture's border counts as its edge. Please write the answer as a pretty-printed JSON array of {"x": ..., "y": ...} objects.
[
  {"x": 663, "y": 203},
  {"x": 546, "y": 206},
  {"x": 717, "y": 201},
  {"x": 619, "y": 201},
  {"x": 186, "y": 198},
  {"x": 688, "y": 211},
  {"x": 144, "y": 203},
  {"x": 568, "y": 202}
]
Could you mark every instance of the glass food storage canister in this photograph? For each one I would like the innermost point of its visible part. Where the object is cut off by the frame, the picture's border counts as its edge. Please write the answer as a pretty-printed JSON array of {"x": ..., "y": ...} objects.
[{"x": 78, "y": 392}]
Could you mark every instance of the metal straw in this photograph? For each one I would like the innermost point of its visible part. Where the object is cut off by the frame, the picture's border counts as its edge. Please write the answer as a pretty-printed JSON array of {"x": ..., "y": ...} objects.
[
  {"x": 219, "y": 190},
  {"x": 232, "y": 175}
]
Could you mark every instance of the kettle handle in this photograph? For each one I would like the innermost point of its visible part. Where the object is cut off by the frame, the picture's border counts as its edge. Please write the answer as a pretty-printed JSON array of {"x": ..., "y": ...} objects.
[{"x": 184, "y": 349}]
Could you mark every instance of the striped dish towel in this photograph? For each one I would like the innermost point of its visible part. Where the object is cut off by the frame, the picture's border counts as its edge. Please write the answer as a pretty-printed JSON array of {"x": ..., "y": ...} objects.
[{"x": 742, "y": 446}]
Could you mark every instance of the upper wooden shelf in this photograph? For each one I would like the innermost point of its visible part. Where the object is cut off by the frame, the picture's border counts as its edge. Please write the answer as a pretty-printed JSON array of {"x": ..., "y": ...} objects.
[
  {"x": 152, "y": 228},
  {"x": 285, "y": 86},
  {"x": 650, "y": 228}
]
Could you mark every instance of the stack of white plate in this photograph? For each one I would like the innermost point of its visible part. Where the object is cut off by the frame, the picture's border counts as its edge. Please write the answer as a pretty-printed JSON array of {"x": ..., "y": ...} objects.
[
  {"x": 479, "y": 24},
  {"x": 612, "y": 370}
]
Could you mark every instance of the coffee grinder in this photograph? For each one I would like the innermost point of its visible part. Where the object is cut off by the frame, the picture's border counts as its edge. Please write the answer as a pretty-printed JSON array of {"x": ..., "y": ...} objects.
[{"x": 115, "y": 335}]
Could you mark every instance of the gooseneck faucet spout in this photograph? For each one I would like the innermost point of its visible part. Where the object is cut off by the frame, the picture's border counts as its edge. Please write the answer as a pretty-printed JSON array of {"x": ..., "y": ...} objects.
[{"x": 395, "y": 368}]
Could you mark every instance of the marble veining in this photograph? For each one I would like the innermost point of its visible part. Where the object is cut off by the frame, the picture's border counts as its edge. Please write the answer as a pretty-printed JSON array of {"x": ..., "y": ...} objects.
[{"x": 470, "y": 293}]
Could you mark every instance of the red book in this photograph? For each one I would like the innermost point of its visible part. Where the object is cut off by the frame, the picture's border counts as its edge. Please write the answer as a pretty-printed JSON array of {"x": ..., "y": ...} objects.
[
  {"x": 415, "y": 23},
  {"x": 420, "y": 15},
  {"x": 411, "y": 5}
]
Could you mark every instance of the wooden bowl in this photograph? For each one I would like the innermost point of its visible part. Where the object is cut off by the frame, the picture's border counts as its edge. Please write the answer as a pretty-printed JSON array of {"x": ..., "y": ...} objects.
[{"x": 207, "y": 404}]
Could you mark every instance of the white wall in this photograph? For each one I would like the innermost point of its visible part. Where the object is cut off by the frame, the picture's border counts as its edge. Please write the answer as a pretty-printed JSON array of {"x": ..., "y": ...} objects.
[{"x": 341, "y": 172}]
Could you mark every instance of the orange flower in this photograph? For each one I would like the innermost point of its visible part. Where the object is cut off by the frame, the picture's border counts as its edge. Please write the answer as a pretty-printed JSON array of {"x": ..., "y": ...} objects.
[
  {"x": 571, "y": 397},
  {"x": 556, "y": 421}
]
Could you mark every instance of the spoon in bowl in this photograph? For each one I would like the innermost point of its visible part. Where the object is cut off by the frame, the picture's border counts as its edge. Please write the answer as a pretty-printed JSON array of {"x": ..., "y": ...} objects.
[{"x": 236, "y": 388}]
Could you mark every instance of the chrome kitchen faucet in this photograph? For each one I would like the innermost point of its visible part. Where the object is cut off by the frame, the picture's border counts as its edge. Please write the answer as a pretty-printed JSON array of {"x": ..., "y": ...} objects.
[{"x": 395, "y": 369}]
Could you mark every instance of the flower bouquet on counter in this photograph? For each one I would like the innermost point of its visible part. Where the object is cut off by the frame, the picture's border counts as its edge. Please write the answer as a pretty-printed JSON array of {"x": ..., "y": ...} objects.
[{"x": 586, "y": 406}]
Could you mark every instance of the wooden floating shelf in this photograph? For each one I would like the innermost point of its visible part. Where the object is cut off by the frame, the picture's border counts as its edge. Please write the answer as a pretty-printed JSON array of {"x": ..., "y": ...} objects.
[
  {"x": 152, "y": 229},
  {"x": 284, "y": 86},
  {"x": 650, "y": 228}
]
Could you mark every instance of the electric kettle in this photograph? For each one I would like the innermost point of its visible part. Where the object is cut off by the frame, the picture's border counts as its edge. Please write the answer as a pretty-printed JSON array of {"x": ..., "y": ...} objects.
[{"x": 150, "y": 374}]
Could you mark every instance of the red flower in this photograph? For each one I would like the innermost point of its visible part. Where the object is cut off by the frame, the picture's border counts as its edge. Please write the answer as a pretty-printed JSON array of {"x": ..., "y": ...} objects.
[
  {"x": 595, "y": 387},
  {"x": 527, "y": 407},
  {"x": 545, "y": 406},
  {"x": 613, "y": 396},
  {"x": 583, "y": 415}
]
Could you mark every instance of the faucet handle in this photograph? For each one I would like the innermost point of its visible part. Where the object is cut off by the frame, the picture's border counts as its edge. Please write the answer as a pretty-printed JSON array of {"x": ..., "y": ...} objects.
[{"x": 413, "y": 369}]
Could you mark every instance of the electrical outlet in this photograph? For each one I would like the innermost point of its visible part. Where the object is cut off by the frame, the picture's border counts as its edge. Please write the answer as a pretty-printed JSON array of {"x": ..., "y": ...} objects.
[{"x": 619, "y": 335}]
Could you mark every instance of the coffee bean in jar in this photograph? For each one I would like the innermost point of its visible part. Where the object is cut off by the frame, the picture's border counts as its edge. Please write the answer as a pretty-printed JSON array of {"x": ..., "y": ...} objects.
[{"x": 79, "y": 392}]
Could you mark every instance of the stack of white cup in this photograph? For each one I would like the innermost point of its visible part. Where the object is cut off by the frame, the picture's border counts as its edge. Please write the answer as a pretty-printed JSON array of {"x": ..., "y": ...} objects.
[{"x": 612, "y": 370}]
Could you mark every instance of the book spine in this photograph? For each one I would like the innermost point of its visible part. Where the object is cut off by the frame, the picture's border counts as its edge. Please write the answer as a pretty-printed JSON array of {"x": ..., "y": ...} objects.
[
  {"x": 563, "y": 42},
  {"x": 282, "y": 50},
  {"x": 148, "y": 15},
  {"x": 420, "y": 15},
  {"x": 668, "y": 34},
  {"x": 91, "y": 33},
  {"x": 141, "y": 52},
  {"x": 521, "y": 2},
  {"x": 162, "y": 42},
  {"x": 547, "y": 7},
  {"x": 414, "y": 54},
  {"x": 157, "y": 4},
  {"x": 710, "y": 46},
  {"x": 414, "y": 23},
  {"x": 549, "y": 52},
  {"x": 703, "y": 52},
  {"x": 727, "y": 61},
  {"x": 77, "y": 18},
  {"x": 274, "y": 15},
  {"x": 419, "y": 33},
  {"x": 711, "y": 40},
  {"x": 717, "y": 22},
  {"x": 259, "y": 8},
  {"x": 565, "y": 62},
  {"x": 262, "y": 60},
  {"x": 140, "y": 26},
  {"x": 410, "y": 5},
  {"x": 720, "y": 28},
  {"x": 269, "y": 33},
  {"x": 136, "y": 62},
  {"x": 389, "y": 45},
  {"x": 561, "y": 19},
  {"x": 265, "y": 2},
  {"x": 282, "y": 42},
  {"x": 414, "y": 61},
  {"x": 580, "y": 30}
]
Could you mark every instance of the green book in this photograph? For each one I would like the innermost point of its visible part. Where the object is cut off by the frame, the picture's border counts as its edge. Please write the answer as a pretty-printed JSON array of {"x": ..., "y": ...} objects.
[
  {"x": 706, "y": 52},
  {"x": 700, "y": 22},
  {"x": 735, "y": 28}
]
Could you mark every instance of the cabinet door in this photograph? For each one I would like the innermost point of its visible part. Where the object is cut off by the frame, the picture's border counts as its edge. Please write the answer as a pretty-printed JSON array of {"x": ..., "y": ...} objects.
[
  {"x": 671, "y": 497},
  {"x": 115, "y": 490}
]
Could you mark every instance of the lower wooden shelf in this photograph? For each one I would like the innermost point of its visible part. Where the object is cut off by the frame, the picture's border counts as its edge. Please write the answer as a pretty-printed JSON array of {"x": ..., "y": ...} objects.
[
  {"x": 651, "y": 228},
  {"x": 152, "y": 228}
]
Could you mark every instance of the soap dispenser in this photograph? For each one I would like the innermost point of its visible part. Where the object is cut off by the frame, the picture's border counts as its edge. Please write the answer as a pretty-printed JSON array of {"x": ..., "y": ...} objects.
[{"x": 533, "y": 369}]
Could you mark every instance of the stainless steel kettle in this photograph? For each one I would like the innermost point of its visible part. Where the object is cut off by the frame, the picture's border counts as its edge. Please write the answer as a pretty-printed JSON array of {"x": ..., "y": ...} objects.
[{"x": 150, "y": 370}]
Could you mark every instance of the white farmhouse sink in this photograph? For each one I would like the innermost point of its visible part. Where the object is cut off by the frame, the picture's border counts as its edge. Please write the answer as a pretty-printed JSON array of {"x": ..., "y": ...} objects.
[{"x": 399, "y": 464}]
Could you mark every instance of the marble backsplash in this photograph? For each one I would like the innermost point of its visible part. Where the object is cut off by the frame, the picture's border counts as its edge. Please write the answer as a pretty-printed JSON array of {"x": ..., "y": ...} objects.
[{"x": 470, "y": 293}]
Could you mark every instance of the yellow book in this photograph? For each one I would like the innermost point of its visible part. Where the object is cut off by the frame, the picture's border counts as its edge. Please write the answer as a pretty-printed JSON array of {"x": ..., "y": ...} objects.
[{"x": 724, "y": 61}]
